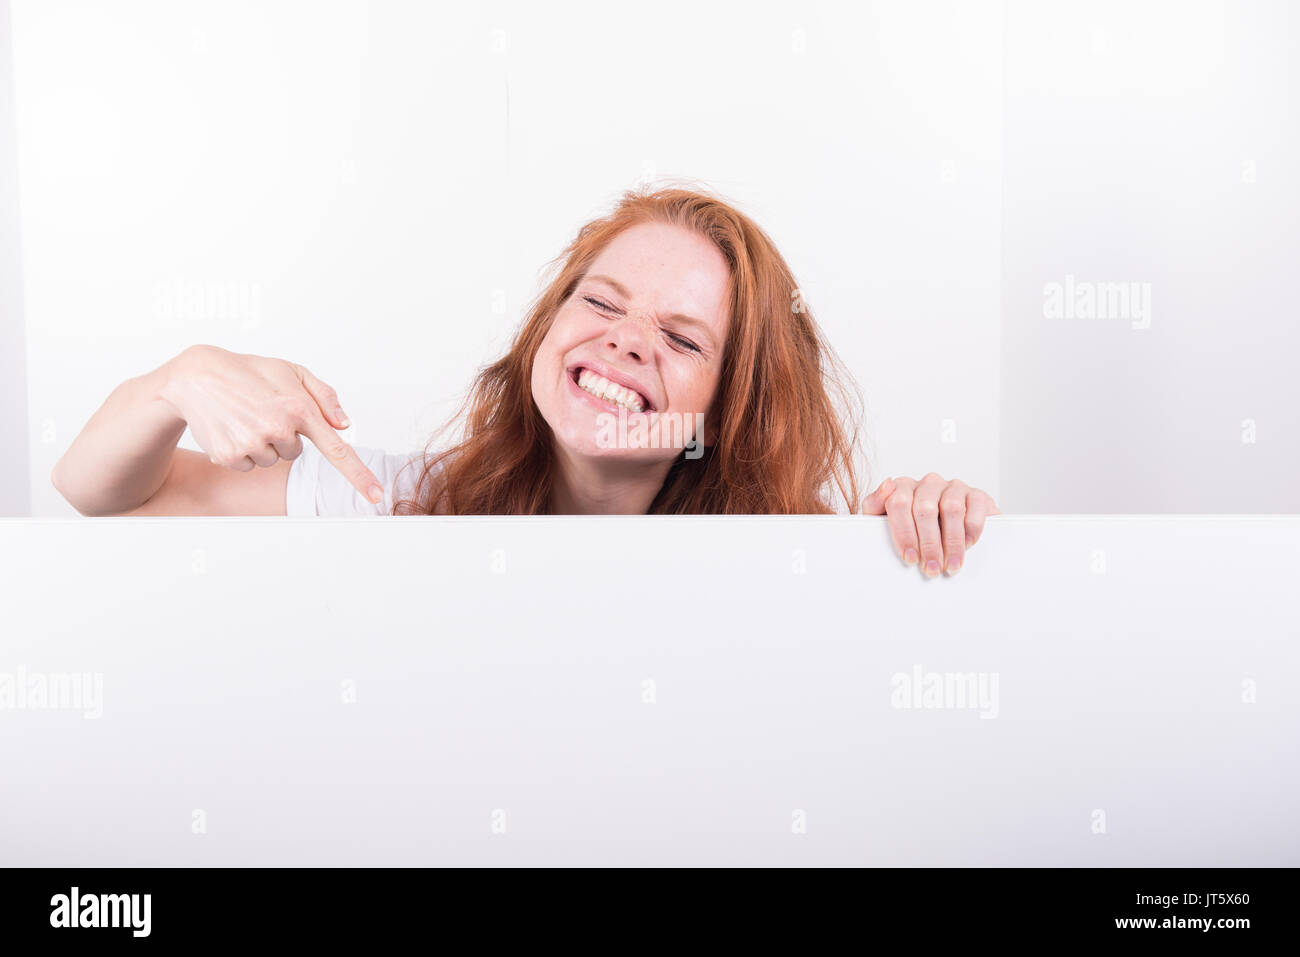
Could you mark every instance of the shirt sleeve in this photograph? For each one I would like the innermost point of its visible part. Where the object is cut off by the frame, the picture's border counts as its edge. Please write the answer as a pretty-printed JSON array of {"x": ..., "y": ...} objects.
[{"x": 315, "y": 487}]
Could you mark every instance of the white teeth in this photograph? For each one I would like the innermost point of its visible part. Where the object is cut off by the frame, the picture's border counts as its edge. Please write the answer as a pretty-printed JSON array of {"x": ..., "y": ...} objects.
[{"x": 602, "y": 388}]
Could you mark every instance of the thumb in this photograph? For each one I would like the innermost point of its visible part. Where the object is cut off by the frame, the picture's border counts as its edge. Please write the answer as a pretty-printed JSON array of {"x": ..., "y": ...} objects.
[
  {"x": 325, "y": 397},
  {"x": 874, "y": 504}
]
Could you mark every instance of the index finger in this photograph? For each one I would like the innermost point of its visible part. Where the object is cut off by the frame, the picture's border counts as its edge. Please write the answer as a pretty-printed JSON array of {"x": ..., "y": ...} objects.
[
  {"x": 898, "y": 509},
  {"x": 342, "y": 456}
]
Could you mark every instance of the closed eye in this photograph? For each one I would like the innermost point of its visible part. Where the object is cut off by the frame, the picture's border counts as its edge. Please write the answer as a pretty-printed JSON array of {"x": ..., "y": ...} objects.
[{"x": 605, "y": 307}]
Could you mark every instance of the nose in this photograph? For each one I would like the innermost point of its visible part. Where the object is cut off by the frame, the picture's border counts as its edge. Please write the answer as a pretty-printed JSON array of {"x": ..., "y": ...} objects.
[{"x": 631, "y": 335}]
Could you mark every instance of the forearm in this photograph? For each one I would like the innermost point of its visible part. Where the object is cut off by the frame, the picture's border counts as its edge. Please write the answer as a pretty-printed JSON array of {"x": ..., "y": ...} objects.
[{"x": 123, "y": 454}]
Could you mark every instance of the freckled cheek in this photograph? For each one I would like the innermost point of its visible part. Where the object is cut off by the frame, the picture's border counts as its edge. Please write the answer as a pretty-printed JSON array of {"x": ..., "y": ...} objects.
[
  {"x": 548, "y": 369},
  {"x": 549, "y": 363},
  {"x": 688, "y": 395},
  {"x": 705, "y": 394}
]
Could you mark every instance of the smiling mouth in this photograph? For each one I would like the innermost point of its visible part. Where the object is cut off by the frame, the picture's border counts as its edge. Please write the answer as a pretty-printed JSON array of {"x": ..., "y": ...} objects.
[{"x": 616, "y": 395}]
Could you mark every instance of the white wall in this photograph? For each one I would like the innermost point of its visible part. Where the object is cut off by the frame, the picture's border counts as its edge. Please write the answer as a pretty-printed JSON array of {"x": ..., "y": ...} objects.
[
  {"x": 15, "y": 489},
  {"x": 372, "y": 188},
  {"x": 1157, "y": 144}
]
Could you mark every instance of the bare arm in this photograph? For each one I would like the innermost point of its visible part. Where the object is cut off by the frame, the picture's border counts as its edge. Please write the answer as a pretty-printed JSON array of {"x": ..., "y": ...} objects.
[
  {"x": 194, "y": 486},
  {"x": 246, "y": 412},
  {"x": 122, "y": 456}
]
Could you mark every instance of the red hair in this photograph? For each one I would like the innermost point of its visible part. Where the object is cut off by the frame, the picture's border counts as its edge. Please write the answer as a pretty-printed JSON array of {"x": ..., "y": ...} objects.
[{"x": 780, "y": 445}]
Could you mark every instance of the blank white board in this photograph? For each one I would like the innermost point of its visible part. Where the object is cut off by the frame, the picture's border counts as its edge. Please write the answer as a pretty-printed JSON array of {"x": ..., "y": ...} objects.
[{"x": 647, "y": 690}]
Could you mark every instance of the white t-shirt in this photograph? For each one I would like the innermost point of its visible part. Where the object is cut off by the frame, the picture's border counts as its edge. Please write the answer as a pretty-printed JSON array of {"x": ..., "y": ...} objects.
[{"x": 316, "y": 487}]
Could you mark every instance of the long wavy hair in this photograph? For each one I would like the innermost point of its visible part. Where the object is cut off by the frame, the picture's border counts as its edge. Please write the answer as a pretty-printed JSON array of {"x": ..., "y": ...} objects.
[{"x": 784, "y": 423}]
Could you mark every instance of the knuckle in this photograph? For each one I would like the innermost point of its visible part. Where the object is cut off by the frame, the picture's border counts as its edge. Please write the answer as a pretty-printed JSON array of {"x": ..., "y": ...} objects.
[
  {"x": 337, "y": 450},
  {"x": 292, "y": 407},
  {"x": 223, "y": 455},
  {"x": 267, "y": 430},
  {"x": 924, "y": 509},
  {"x": 952, "y": 507},
  {"x": 244, "y": 440},
  {"x": 279, "y": 432}
]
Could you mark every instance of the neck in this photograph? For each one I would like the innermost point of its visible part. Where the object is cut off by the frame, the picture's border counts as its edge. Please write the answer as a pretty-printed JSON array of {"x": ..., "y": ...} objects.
[{"x": 586, "y": 486}]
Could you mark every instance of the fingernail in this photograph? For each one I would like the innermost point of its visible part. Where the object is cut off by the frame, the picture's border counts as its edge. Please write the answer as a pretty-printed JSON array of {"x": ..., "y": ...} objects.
[
  {"x": 910, "y": 556},
  {"x": 954, "y": 565},
  {"x": 342, "y": 417},
  {"x": 932, "y": 567},
  {"x": 376, "y": 494}
]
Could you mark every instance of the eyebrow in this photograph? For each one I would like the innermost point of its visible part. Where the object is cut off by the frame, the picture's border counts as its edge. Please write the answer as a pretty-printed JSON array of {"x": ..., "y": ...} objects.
[{"x": 619, "y": 288}]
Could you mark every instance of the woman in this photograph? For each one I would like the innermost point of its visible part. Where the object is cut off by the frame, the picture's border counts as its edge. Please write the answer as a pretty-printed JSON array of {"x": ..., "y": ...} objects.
[{"x": 669, "y": 367}]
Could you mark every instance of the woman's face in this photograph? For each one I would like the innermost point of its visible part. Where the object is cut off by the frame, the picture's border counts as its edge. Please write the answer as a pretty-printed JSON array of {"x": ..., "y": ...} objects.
[{"x": 649, "y": 316}]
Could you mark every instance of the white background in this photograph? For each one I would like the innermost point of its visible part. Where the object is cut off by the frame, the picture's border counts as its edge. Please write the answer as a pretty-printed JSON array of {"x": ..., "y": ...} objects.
[{"x": 371, "y": 189}]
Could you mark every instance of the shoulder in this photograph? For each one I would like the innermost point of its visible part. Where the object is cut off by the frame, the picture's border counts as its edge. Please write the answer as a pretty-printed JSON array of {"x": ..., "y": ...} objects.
[{"x": 314, "y": 487}]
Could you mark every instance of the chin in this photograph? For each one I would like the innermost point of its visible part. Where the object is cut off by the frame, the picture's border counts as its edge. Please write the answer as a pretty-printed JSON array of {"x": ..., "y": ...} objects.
[
  {"x": 582, "y": 442},
  {"x": 579, "y": 439}
]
